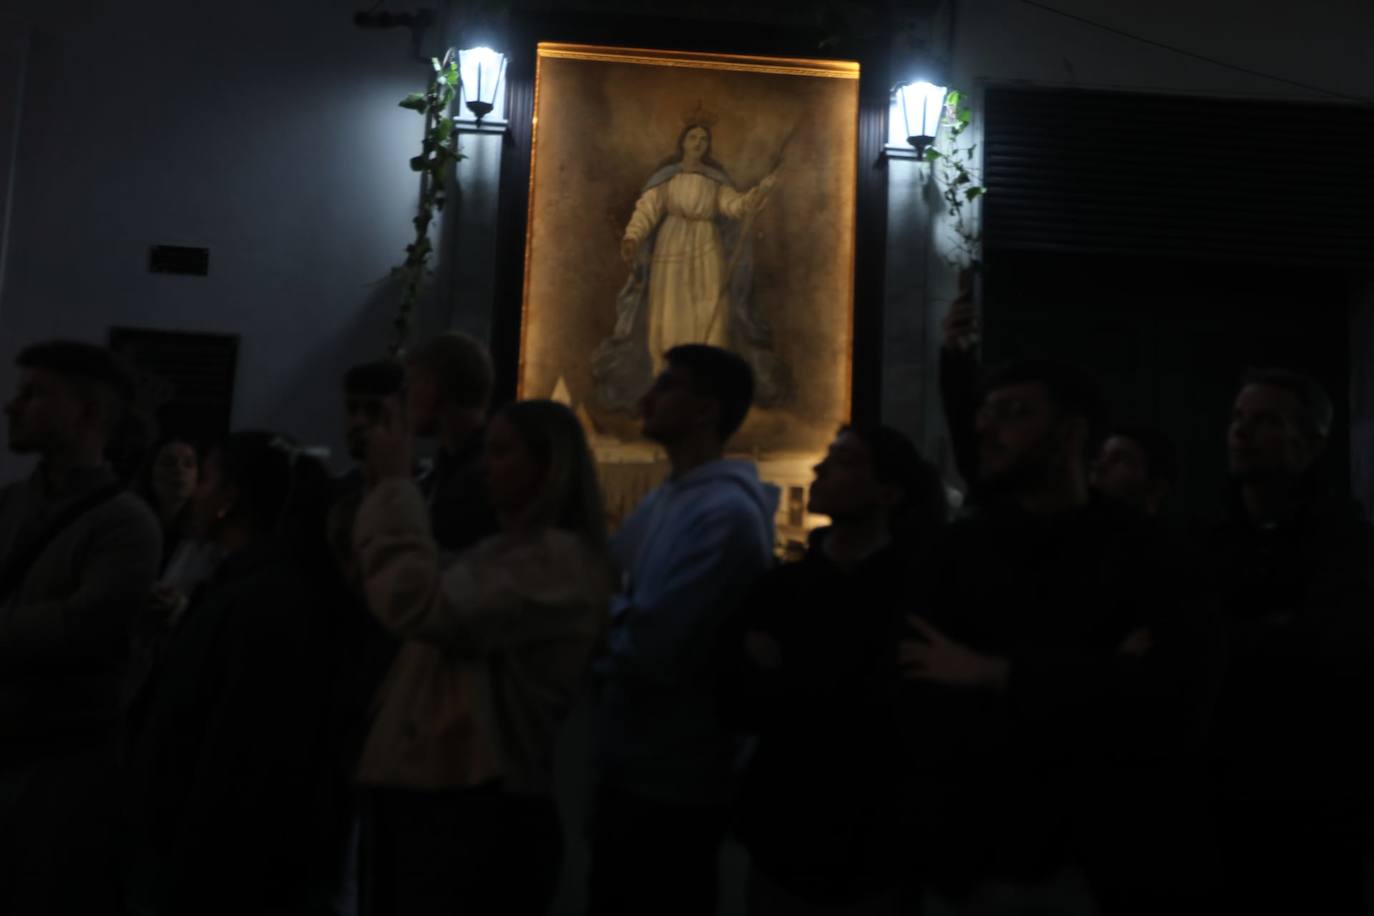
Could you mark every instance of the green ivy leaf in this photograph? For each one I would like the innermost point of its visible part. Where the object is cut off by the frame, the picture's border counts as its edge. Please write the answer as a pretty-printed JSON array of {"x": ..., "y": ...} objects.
[
  {"x": 417, "y": 163},
  {"x": 974, "y": 193},
  {"x": 933, "y": 155},
  {"x": 438, "y": 67},
  {"x": 965, "y": 116},
  {"x": 415, "y": 102},
  {"x": 450, "y": 77}
]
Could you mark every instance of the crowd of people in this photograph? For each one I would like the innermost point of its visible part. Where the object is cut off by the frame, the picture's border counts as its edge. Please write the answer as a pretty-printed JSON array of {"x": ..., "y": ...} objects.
[{"x": 235, "y": 684}]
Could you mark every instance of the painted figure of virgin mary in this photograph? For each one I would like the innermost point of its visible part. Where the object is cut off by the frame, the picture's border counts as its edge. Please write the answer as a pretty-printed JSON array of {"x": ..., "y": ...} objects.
[{"x": 688, "y": 246}]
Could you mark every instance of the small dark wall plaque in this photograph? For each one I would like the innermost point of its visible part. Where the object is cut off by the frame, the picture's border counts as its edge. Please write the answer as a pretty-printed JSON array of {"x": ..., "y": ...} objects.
[
  {"x": 185, "y": 379},
  {"x": 175, "y": 259}
]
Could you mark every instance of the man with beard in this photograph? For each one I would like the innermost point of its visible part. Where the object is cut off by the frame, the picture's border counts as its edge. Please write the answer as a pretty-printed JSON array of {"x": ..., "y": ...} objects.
[
  {"x": 1134, "y": 466},
  {"x": 1052, "y": 680}
]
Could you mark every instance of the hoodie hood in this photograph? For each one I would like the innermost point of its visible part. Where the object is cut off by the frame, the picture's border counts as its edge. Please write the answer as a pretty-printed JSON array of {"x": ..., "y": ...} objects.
[{"x": 740, "y": 473}]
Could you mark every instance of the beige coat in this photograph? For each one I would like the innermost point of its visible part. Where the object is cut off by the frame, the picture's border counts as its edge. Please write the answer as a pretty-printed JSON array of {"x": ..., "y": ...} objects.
[{"x": 497, "y": 643}]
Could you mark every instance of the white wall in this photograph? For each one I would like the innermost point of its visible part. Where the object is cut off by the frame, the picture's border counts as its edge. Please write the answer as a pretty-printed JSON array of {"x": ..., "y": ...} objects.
[
  {"x": 269, "y": 133},
  {"x": 14, "y": 55},
  {"x": 1321, "y": 42}
]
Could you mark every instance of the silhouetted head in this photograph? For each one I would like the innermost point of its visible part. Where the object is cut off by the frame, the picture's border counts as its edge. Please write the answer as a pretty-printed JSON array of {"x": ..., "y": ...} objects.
[
  {"x": 1136, "y": 466},
  {"x": 876, "y": 470},
  {"x": 1035, "y": 423},
  {"x": 71, "y": 396},
  {"x": 366, "y": 388},
  {"x": 1280, "y": 423},
  {"x": 171, "y": 474},
  {"x": 451, "y": 370},
  {"x": 539, "y": 469},
  {"x": 702, "y": 389},
  {"x": 256, "y": 485}
]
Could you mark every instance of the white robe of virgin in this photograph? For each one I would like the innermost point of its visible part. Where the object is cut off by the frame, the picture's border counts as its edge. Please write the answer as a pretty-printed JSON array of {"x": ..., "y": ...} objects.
[{"x": 687, "y": 270}]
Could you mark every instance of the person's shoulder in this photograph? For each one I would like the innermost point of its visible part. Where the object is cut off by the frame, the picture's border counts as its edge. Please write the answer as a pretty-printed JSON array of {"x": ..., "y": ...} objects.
[{"x": 724, "y": 504}]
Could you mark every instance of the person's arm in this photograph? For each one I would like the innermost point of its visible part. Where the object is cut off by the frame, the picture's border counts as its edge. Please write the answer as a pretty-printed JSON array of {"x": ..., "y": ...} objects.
[
  {"x": 752, "y": 657},
  {"x": 115, "y": 575},
  {"x": 1158, "y": 674},
  {"x": 959, "y": 372},
  {"x": 487, "y": 599},
  {"x": 1066, "y": 695},
  {"x": 714, "y": 560},
  {"x": 648, "y": 211}
]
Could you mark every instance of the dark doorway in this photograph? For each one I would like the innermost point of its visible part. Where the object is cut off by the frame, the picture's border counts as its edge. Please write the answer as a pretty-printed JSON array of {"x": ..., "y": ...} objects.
[
  {"x": 186, "y": 379},
  {"x": 1170, "y": 340}
]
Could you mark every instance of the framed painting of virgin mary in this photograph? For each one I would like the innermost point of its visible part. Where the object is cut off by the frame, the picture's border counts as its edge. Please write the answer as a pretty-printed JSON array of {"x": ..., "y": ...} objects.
[{"x": 679, "y": 197}]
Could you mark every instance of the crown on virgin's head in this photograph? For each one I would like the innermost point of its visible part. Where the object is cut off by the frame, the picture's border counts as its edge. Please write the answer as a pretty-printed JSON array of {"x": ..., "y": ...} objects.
[{"x": 699, "y": 116}]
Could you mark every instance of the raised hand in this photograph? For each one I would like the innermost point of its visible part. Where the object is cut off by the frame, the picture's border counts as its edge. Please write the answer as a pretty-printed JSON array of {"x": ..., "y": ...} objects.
[
  {"x": 629, "y": 248},
  {"x": 961, "y": 326},
  {"x": 390, "y": 446}
]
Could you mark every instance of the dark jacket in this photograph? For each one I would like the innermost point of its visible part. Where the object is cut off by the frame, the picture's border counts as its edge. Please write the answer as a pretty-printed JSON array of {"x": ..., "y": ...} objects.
[
  {"x": 460, "y": 512},
  {"x": 960, "y": 392},
  {"x": 1007, "y": 783},
  {"x": 64, "y": 646},
  {"x": 64, "y": 629},
  {"x": 1297, "y": 599},
  {"x": 226, "y": 772},
  {"x": 818, "y": 808}
]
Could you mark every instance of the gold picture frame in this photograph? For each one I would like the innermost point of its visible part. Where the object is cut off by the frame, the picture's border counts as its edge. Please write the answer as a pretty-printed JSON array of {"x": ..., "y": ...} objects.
[{"x": 682, "y": 196}]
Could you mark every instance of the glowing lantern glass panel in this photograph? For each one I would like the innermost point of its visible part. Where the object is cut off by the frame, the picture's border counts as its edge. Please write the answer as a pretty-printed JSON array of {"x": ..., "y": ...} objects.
[
  {"x": 922, "y": 105},
  {"x": 483, "y": 71}
]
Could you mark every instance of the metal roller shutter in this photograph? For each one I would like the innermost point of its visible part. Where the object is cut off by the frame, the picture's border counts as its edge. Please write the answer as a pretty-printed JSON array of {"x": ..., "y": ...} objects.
[{"x": 1178, "y": 176}]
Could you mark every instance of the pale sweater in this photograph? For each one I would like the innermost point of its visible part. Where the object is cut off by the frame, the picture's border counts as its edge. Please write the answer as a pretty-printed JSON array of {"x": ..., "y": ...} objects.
[
  {"x": 497, "y": 641},
  {"x": 689, "y": 551}
]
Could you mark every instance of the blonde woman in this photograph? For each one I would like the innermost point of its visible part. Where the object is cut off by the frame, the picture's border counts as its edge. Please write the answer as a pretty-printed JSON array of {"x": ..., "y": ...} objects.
[{"x": 460, "y": 753}]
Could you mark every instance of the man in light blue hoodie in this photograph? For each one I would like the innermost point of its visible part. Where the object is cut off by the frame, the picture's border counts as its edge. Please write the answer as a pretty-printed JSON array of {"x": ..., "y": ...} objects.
[{"x": 688, "y": 552}]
